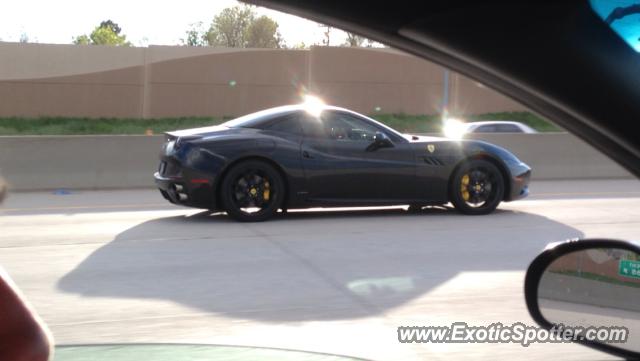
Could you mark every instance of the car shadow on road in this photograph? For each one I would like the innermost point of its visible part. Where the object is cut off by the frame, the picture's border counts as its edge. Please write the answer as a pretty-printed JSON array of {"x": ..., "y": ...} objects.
[{"x": 324, "y": 265}]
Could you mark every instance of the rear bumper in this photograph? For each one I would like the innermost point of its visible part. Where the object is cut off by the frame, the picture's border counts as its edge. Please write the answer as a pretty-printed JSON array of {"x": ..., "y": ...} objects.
[{"x": 185, "y": 191}]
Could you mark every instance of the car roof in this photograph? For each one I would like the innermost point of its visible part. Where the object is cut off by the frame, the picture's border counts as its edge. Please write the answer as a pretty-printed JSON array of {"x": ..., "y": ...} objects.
[
  {"x": 557, "y": 68},
  {"x": 282, "y": 109},
  {"x": 269, "y": 114}
]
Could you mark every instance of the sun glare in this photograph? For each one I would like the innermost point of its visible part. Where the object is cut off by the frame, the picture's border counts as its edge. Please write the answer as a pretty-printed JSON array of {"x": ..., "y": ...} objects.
[
  {"x": 453, "y": 128},
  {"x": 313, "y": 105}
]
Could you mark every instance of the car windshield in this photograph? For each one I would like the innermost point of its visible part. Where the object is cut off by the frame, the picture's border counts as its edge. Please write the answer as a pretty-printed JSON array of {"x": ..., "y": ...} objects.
[{"x": 347, "y": 204}]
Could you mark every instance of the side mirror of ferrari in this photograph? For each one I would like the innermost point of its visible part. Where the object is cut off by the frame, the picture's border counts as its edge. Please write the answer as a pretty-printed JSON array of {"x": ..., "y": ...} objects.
[
  {"x": 587, "y": 291},
  {"x": 380, "y": 140}
]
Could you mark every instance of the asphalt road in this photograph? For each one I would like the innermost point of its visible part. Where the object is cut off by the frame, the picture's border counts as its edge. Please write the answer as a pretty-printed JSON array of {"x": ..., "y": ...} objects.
[{"x": 124, "y": 266}]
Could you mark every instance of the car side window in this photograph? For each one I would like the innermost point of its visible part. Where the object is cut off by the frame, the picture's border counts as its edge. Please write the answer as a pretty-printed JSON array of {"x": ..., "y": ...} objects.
[
  {"x": 508, "y": 128},
  {"x": 485, "y": 129},
  {"x": 287, "y": 124},
  {"x": 340, "y": 127}
]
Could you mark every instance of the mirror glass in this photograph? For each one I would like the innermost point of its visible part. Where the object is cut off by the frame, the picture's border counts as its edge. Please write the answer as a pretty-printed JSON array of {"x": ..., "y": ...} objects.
[{"x": 594, "y": 288}]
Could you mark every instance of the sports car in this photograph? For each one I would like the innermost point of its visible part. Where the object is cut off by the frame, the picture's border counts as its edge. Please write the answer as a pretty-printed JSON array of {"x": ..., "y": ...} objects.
[{"x": 301, "y": 156}]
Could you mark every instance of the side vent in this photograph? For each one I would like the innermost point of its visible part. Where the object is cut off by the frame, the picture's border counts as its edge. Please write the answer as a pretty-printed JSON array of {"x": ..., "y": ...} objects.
[{"x": 433, "y": 161}]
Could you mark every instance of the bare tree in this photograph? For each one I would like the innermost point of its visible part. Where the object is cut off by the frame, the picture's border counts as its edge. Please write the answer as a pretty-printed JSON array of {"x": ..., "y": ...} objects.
[
  {"x": 327, "y": 34},
  {"x": 354, "y": 40}
]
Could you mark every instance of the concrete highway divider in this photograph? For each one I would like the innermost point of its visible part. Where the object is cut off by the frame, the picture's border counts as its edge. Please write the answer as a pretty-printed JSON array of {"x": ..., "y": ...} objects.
[
  {"x": 79, "y": 162},
  {"x": 577, "y": 291},
  {"x": 128, "y": 161},
  {"x": 557, "y": 156}
]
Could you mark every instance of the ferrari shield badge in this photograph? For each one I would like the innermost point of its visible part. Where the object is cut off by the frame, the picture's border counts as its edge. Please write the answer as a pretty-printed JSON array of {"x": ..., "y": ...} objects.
[{"x": 431, "y": 148}]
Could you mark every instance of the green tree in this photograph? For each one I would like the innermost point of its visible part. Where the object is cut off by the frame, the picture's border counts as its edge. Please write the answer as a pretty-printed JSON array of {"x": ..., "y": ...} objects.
[
  {"x": 111, "y": 25},
  {"x": 300, "y": 46},
  {"x": 81, "y": 40},
  {"x": 239, "y": 27},
  {"x": 263, "y": 33},
  {"x": 229, "y": 28},
  {"x": 107, "y": 33},
  {"x": 195, "y": 36}
]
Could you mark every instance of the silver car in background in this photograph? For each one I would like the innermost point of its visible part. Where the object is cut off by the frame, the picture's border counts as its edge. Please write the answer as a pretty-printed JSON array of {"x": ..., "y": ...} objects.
[{"x": 498, "y": 126}]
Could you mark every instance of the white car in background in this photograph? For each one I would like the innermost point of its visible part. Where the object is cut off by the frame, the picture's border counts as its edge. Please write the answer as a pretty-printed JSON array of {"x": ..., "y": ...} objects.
[{"x": 498, "y": 126}]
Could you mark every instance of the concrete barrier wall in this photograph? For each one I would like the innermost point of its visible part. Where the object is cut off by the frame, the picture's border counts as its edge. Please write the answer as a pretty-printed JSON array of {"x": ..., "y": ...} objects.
[
  {"x": 103, "y": 162},
  {"x": 580, "y": 291},
  {"x": 557, "y": 156},
  {"x": 79, "y": 162}
]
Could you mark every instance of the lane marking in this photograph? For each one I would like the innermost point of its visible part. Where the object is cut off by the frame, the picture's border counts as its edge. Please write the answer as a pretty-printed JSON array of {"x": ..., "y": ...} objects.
[
  {"x": 166, "y": 205},
  {"x": 106, "y": 206},
  {"x": 584, "y": 193}
]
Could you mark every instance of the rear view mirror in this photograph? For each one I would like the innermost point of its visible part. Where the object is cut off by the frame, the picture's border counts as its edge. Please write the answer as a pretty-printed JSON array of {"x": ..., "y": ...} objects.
[
  {"x": 380, "y": 140},
  {"x": 591, "y": 289}
]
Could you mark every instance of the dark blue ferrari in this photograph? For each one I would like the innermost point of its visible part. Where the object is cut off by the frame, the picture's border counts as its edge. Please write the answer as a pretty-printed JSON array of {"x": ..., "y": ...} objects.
[{"x": 302, "y": 156}]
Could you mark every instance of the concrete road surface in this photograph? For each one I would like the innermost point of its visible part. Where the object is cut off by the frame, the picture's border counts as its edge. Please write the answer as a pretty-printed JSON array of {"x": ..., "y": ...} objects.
[{"x": 124, "y": 266}]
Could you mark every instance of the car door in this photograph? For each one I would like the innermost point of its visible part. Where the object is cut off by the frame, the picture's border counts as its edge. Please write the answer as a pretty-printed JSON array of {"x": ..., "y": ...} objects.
[{"x": 339, "y": 166}]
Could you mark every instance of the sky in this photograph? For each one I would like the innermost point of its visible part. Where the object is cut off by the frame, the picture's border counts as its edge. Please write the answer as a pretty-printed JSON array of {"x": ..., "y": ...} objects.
[{"x": 145, "y": 22}]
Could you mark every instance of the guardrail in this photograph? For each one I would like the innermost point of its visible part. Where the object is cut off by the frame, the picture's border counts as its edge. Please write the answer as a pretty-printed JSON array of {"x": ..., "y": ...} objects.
[{"x": 128, "y": 161}]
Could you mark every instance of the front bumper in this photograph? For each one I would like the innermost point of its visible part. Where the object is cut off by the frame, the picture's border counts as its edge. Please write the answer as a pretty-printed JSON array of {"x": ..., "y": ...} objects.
[
  {"x": 519, "y": 187},
  {"x": 186, "y": 191}
]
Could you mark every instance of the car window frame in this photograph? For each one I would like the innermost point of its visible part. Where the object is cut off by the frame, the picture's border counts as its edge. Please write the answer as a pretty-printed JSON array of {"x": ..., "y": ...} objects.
[{"x": 392, "y": 134}]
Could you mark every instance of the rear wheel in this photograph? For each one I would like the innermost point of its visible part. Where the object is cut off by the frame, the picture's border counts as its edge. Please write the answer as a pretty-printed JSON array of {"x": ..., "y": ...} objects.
[
  {"x": 477, "y": 187},
  {"x": 252, "y": 191}
]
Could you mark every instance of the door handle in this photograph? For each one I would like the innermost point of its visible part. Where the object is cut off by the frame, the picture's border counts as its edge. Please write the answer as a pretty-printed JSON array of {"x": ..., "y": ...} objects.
[{"x": 306, "y": 154}]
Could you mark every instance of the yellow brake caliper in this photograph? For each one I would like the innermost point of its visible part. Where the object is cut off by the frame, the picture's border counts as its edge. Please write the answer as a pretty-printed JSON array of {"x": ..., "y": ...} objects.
[
  {"x": 464, "y": 187},
  {"x": 266, "y": 193}
]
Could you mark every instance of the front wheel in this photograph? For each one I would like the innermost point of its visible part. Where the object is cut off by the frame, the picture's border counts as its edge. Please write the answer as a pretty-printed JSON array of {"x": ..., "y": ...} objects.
[
  {"x": 477, "y": 187},
  {"x": 252, "y": 191}
]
